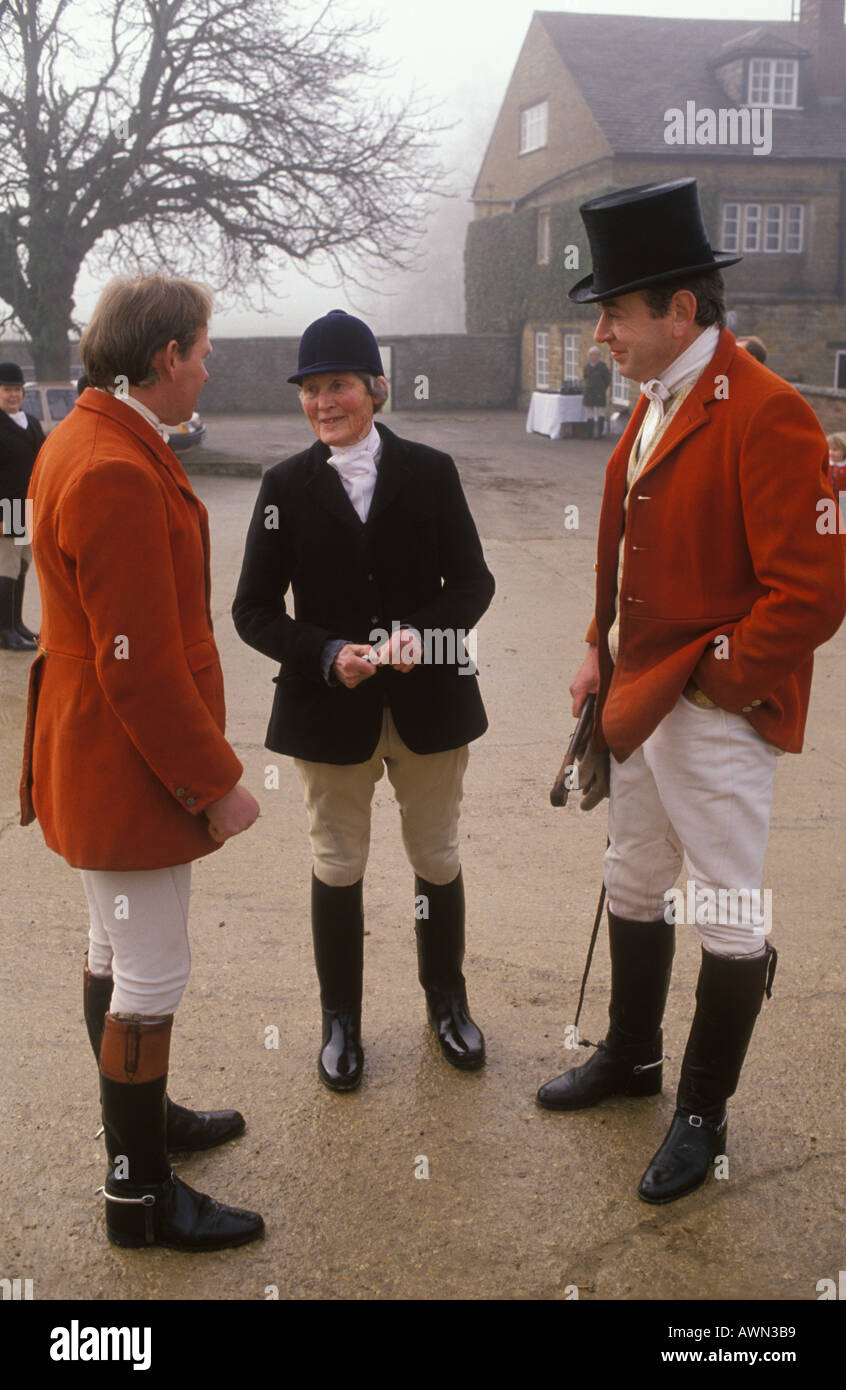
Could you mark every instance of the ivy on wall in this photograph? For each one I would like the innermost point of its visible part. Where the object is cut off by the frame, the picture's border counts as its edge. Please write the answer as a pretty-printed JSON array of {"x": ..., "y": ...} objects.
[{"x": 505, "y": 287}]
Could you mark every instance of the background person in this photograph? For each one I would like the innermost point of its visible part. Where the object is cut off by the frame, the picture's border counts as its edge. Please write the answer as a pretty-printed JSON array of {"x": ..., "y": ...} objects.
[
  {"x": 837, "y": 463},
  {"x": 597, "y": 380},
  {"x": 755, "y": 347},
  {"x": 21, "y": 436},
  {"x": 126, "y": 765},
  {"x": 369, "y": 531}
]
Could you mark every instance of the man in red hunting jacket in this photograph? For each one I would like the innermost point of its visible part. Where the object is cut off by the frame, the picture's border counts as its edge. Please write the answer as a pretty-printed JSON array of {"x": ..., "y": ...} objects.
[{"x": 717, "y": 576}]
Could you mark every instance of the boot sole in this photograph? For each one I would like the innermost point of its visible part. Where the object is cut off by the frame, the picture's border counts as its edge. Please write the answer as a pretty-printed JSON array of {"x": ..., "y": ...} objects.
[
  {"x": 203, "y": 1148},
  {"x": 338, "y": 1085},
  {"x": 629, "y": 1093},
  {"x": 677, "y": 1196},
  {"x": 474, "y": 1064},
  {"x": 126, "y": 1242}
]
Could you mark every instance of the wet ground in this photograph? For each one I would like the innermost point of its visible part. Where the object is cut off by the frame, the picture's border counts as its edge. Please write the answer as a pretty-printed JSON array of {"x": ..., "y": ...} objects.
[{"x": 518, "y": 1203}]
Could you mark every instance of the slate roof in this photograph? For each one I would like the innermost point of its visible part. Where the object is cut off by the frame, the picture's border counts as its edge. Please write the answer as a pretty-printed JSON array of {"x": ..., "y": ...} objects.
[{"x": 631, "y": 70}]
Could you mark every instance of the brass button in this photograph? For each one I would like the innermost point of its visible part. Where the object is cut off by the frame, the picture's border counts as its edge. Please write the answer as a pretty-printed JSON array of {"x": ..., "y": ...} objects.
[
  {"x": 190, "y": 801},
  {"x": 747, "y": 709},
  {"x": 180, "y": 791},
  {"x": 755, "y": 703}
]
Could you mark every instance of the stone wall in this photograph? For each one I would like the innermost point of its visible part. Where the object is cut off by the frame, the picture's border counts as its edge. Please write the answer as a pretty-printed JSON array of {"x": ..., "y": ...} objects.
[
  {"x": 830, "y": 406},
  {"x": 449, "y": 371},
  {"x": 427, "y": 371}
]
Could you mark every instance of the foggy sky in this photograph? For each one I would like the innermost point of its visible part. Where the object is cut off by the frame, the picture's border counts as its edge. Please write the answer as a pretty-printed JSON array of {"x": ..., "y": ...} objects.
[{"x": 460, "y": 53}]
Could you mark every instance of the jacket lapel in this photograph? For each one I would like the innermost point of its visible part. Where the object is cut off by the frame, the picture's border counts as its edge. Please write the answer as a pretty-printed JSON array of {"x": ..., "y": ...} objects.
[
  {"x": 106, "y": 404},
  {"x": 691, "y": 414},
  {"x": 326, "y": 487},
  {"x": 394, "y": 469},
  {"x": 151, "y": 440}
]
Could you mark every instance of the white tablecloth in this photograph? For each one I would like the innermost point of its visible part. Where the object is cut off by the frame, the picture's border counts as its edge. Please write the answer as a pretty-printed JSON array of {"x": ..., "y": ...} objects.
[{"x": 547, "y": 413}]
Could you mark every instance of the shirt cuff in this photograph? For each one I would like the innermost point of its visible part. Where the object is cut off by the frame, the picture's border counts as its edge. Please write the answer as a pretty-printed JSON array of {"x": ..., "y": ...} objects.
[{"x": 327, "y": 658}]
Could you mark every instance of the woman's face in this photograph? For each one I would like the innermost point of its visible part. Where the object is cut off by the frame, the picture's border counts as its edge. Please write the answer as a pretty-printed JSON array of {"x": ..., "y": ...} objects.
[
  {"x": 339, "y": 407},
  {"x": 11, "y": 398}
]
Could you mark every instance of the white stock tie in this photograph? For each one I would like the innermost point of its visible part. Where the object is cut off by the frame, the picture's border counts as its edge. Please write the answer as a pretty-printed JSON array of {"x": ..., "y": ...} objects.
[
  {"x": 356, "y": 467},
  {"x": 657, "y": 394}
]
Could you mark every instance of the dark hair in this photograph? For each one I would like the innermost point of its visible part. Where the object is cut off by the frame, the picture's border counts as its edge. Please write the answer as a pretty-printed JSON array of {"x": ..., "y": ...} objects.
[
  {"x": 710, "y": 292},
  {"x": 133, "y": 319}
]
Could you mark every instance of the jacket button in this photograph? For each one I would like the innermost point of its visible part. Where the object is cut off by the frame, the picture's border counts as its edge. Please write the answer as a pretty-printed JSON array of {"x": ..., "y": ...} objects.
[
  {"x": 755, "y": 703},
  {"x": 747, "y": 709},
  {"x": 180, "y": 791},
  {"x": 190, "y": 801}
]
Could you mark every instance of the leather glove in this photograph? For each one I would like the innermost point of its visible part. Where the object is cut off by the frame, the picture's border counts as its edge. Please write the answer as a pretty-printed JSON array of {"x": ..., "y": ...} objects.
[{"x": 594, "y": 775}]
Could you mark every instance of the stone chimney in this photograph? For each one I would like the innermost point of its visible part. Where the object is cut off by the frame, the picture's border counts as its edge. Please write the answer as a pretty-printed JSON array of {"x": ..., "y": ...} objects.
[{"x": 822, "y": 29}]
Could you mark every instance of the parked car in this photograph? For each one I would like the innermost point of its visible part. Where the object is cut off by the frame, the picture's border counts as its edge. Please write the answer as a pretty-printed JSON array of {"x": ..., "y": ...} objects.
[
  {"x": 51, "y": 401},
  {"x": 187, "y": 435}
]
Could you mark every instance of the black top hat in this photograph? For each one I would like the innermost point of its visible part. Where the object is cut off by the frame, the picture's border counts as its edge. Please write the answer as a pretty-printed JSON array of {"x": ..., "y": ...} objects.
[
  {"x": 641, "y": 236},
  {"x": 337, "y": 343},
  {"x": 11, "y": 374}
]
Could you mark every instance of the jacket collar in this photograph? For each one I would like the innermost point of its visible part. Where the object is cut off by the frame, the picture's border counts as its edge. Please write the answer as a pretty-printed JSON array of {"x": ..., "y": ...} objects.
[
  {"x": 326, "y": 485},
  {"x": 691, "y": 414},
  {"x": 102, "y": 403}
]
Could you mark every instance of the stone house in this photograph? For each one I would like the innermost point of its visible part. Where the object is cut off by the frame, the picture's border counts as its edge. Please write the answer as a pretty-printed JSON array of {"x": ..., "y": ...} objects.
[{"x": 756, "y": 113}]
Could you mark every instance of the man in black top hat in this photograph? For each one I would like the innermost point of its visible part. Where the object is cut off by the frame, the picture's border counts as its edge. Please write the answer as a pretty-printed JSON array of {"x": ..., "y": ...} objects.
[
  {"x": 711, "y": 595},
  {"x": 374, "y": 536},
  {"x": 21, "y": 436}
]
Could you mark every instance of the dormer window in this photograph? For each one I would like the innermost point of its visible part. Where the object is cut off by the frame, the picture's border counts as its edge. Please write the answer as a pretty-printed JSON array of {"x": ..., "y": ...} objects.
[
  {"x": 533, "y": 127},
  {"x": 773, "y": 82}
]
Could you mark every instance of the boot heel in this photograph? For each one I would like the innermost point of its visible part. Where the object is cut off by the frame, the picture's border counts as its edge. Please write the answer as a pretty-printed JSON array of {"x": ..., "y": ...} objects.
[
  {"x": 645, "y": 1080},
  {"x": 129, "y": 1220}
]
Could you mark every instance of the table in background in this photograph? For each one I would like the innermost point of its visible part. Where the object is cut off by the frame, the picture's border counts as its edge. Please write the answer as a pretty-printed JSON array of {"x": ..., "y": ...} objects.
[{"x": 549, "y": 412}]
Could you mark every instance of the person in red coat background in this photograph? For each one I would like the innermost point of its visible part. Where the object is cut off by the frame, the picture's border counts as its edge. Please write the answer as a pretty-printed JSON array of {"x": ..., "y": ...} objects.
[
  {"x": 126, "y": 766},
  {"x": 715, "y": 582}
]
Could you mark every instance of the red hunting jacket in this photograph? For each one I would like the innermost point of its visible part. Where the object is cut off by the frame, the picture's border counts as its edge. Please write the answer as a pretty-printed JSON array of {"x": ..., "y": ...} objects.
[
  {"x": 724, "y": 538},
  {"x": 124, "y": 744}
]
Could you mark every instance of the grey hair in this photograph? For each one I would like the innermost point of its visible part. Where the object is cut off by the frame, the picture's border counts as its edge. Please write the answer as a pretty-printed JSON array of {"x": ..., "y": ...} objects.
[{"x": 378, "y": 392}]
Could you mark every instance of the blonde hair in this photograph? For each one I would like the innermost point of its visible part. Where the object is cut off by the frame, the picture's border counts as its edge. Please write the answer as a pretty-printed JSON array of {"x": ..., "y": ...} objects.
[
  {"x": 837, "y": 442},
  {"x": 134, "y": 318}
]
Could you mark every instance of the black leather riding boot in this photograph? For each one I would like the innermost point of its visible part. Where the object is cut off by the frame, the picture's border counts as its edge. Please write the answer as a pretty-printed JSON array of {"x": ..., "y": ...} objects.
[
  {"x": 146, "y": 1204},
  {"x": 10, "y": 638},
  {"x": 188, "y": 1131},
  {"x": 18, "y": 623},
  {"x": 629, "y": 1061},
  {"x": 729, "y": 995},
  {"x": 337, "y": 925},
  {"x": 440, "y": 954}
]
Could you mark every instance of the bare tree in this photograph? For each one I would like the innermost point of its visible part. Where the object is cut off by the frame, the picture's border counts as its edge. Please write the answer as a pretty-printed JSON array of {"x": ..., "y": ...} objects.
[{"x": 207, "y": 137}]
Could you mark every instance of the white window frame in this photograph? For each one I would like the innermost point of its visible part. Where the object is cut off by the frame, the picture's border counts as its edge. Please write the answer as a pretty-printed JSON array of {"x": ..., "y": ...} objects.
[
  {"x": 751, "y": 215},
  {"x": 773, "y": 228},
  {"x": 541, "y": 359},
  {"x": 534, "y": 127},
  {"x": 620, "y": 387},
  {"x": 732, "y": 213},
  {"x": 766, "y": 76},
  {"x": 795, "y": 214},
  {"x": 571, "y": 357},
  {"x": 544, "y": 246}
]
